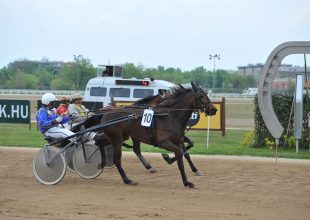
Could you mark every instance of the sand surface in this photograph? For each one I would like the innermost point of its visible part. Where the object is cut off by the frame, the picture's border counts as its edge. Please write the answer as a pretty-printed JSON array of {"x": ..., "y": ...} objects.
[{"x": 233, "y": 188}]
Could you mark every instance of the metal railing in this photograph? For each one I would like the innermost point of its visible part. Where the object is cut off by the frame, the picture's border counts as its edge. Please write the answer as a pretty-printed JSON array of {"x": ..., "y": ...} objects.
[
  {"x": 37, "y": 92},
  {"x": 231, "y": 96},
  {"x": 71, "y": 92}
]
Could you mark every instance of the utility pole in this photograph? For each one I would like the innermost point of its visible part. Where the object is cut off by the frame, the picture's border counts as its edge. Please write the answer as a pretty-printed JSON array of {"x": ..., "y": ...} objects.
[
  {"x": 214, "y": 57},
  {"x": 77, "y": 59}
]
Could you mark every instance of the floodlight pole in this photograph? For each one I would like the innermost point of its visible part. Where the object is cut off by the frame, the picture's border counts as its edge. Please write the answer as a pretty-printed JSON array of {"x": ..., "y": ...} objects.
[
  {"x": 214, "y": 57},
  {"x": 77, "y": 59}
]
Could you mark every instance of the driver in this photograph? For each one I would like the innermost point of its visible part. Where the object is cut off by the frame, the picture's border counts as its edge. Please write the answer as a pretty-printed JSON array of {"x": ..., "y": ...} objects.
[
  {"x": 79, "y": 112},
  {"x": 77, "y": 109},
  {"x": 49, "y": 122}
]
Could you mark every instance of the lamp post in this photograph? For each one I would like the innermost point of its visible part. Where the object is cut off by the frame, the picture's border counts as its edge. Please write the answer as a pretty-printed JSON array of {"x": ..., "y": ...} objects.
[
  {"x": 214, "y": 57},
  {"x": 77, "y": 59}
]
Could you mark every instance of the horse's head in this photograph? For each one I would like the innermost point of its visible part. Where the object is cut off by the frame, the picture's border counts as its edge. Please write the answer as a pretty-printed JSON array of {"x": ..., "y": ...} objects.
[{"x": 202, "y": 101}]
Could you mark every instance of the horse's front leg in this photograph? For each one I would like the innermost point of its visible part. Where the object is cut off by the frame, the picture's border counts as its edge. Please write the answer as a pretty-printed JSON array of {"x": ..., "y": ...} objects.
[
  {"x": 190, "y": 144},
  {"x": 171, "y": 160},
  {"x": 118, "y": 164},
  {"x": 193, "y": 167},
  {"x": 182, "y": 170},
  {"x": 179, "y": 152}
]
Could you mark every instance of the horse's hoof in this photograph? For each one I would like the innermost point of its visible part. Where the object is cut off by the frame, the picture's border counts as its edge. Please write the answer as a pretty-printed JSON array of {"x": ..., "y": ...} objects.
[
  {"x": 199, "y": 173},
  {"x": 189, "y": 185},
  {"x": 165, "y": 156},
  {"x": 152, "y": 170},
  {"x": 132, "y": 183}
]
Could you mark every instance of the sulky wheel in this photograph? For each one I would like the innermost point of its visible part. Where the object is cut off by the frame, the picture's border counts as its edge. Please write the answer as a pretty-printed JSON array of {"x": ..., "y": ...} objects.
[
  {"x": 69, "y": 152},
  {"x": 86, "y": 160},
  {"x": 49, "y": 166}
]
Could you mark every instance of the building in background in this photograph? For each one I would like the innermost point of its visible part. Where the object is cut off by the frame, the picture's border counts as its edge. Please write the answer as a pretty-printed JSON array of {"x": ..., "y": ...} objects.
[
  {"x": 285, "y": 70},
  {"x": 285, "y": 79}
]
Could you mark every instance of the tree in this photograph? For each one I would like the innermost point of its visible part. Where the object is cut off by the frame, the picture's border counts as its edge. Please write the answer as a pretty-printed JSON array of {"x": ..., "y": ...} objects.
[
  {"x": 199, "y": 75},
  {"x": 4, "y": 77},
  {"x": 45, "y": 78},
  {"x": 59, "y": 75},
  {"x": 66, "y": 79},
  {"x": 87, "y": 71},
  {"x": 130, "y": 70},
  {"x": 29, "y": 81}
]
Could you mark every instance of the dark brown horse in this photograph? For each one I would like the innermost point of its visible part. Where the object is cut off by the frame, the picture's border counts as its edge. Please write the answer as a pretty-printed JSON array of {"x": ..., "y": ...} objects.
[
  {"x": 102, "y": 142},
  {"x": 153, "y": 101},
  {"x": 168, "y": 126}
]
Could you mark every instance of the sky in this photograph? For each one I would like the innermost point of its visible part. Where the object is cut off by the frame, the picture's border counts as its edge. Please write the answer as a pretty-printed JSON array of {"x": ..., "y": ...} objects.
[{"x": 170, "y": 33}]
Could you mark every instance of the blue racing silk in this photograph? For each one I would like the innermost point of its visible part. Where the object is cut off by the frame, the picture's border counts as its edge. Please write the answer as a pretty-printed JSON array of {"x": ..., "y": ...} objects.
[{"x": 45, "y": 118}]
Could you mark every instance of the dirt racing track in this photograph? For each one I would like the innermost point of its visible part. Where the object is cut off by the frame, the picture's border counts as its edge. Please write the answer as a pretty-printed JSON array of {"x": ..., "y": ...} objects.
[{"x": 233, "y": 188}]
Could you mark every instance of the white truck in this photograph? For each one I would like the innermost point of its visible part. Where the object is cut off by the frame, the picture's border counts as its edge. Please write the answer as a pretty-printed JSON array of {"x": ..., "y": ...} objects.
[
  {"x": 250, "y": 91},
  {"x": 110, "y": 85}
]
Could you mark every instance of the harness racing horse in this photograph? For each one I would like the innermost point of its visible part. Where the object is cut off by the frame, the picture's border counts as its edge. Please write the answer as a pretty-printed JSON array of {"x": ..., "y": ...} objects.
[
  {"x": 168, "y": 126},
  {"x": 102, "y": 142},
  {"x": 153, "y": 101}
]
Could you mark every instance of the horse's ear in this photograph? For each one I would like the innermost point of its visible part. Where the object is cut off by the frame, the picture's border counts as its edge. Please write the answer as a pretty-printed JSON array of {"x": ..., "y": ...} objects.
[{"x": 194, "y": 87}]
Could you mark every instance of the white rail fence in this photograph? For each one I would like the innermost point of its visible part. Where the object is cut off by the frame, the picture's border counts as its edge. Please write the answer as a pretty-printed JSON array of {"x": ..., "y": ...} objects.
[
  {"x": 71, "y": 92},
  {"x": 37, "y": 92},
  {"x": 231, "y": 96}
]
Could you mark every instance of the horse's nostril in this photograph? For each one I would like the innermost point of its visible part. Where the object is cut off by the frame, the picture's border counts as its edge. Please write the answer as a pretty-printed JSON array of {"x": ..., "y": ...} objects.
[{"x": 214, "y": 111}]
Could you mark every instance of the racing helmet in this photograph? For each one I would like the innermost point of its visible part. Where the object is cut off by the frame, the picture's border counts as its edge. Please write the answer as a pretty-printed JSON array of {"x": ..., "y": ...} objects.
[{"x": 47, "y": 98}]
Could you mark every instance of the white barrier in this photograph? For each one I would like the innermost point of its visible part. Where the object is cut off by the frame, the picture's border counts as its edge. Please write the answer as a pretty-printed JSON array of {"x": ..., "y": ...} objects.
[
  {"x": 37, "y": 92},
  {"x": 71, "y": 92}
]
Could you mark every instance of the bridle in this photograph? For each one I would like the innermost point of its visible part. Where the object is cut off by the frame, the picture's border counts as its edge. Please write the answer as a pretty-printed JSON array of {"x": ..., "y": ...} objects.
[{"x": 199, "y": 94}]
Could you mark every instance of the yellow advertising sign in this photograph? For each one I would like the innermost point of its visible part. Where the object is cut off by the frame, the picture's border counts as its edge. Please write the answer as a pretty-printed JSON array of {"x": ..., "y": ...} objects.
[{"x": 215, "y": 120}]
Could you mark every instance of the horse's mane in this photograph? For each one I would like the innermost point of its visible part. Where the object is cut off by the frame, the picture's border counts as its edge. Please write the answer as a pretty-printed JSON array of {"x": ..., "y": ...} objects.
[
  {"x": 177, "y": 92},
  {"x": 145, "y": 100}
]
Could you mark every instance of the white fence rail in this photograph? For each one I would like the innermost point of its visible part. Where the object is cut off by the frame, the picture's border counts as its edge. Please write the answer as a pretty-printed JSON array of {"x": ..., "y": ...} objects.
[
  {"x": 231, "y": 96},
  {"x": 71, "y": 92},
  {"x": 37, "y": 92}
]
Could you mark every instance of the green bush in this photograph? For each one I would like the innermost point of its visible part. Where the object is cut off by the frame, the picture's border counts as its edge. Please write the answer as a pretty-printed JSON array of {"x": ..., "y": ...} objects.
[
  {"x": 248, "y": 139},
  {"x": 282, "y": 105}
]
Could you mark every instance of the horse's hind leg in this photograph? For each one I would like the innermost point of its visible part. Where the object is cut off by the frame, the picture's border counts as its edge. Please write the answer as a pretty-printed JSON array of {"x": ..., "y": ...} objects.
[
  {"x": 137, "y": 150},
  {"x": 118, "y": 164},
  {"x": 103, "y": 157},
  {"x": 101, "y": 142}
]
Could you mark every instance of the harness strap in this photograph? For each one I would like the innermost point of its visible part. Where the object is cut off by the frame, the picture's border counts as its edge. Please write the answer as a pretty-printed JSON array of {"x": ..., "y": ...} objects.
[{"x": 187, "y": 130}]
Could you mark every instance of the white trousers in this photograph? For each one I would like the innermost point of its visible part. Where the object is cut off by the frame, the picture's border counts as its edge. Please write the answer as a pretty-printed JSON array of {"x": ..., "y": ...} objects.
[
  {"x": 56, "y": 132},
  {"x": 88, "y": 135}
]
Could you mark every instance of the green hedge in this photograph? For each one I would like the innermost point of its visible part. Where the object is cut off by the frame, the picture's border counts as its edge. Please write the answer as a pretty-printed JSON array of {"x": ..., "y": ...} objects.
[{"x": 282, "y": 106}]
